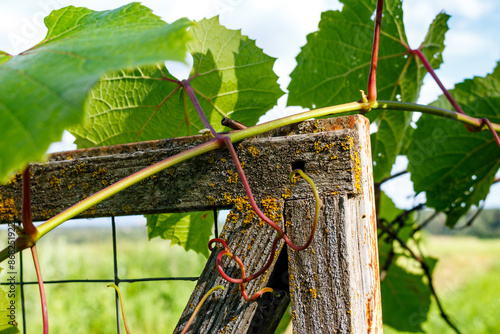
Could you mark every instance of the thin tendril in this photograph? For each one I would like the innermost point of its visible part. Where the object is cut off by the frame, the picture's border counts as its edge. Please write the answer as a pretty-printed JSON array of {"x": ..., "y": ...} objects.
[
  {"x": 198, "y": 307},
  {"x": 121, "y": 306},
  {"x": 279, "y": 235}
]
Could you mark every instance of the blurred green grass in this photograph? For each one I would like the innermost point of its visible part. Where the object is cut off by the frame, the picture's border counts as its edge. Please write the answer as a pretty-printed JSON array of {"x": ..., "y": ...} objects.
[
  {"x": 66, "y": 253},
  {"x": 467, "y": 279}
]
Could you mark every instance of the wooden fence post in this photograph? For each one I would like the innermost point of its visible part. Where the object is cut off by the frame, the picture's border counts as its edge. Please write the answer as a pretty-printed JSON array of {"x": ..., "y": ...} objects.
[{"x": 333, "y": 285}]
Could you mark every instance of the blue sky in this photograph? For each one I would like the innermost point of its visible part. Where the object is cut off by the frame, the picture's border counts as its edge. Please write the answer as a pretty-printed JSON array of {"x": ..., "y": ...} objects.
[{"x": 280, "y": 28}]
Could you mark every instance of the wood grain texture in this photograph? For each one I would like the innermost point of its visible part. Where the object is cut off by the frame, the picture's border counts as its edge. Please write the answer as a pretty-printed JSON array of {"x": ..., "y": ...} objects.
[
  {"x": 201, "y": 183},
  {"x": 226, "y": 311},
  {"x": 334, "y": 284}
]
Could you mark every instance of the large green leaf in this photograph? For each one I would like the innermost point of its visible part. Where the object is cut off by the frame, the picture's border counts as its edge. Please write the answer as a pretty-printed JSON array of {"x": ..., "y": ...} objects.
[
  {"x": 334, "y": 65},
  {"x": 44, "y": 88},
  {"x": 405, "y": 294},
  {"x": 189, "y": 230},
  {"x": 231, "y": 76},
  {"x": 387, "y": 212},
  {"x": 388, "y": 141},
  {"x": 406, "y": 297},
  {"x": 454, "y": 167}
]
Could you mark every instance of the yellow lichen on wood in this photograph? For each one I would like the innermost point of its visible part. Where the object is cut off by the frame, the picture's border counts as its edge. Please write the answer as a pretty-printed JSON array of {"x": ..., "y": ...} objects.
[
  {"x": 357, "y": 173},
  {"x": 211, "y": 200},
  {"x": 318, "y": 148},
  {"x": 348, "y": 144},
  {"x": 126, "y": 208},
  {"x": 272, "y": 209},
  {"x": 100, "y": 171},
  {"x": 253, "y": 151},
  {"x": 287, "y": 194},
  {"x": 54, "y": 182},
  {"x": 233, "y": 177},
  {"x": 8, "y": 209},
  {"x": 78, "y": 169},
  {"x": 313, "y": 292}
]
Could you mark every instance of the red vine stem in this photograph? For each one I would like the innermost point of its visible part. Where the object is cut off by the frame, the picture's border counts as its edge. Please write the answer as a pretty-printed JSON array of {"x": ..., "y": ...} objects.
[
  {"x": 251, "y": 199},
  {"x": 45, "y": 313},
  {"x": 197, "y": 106},
  {"x": 227, "y": 252},
  {"x": 458, "y": 109},
  {"x": 279, "y": 235},
  {"x": 372, "y": 78},
  {"x": 243, "y": 279},
  {"x": 248, "y": 190},
  {"x": 30, "y": 229}
]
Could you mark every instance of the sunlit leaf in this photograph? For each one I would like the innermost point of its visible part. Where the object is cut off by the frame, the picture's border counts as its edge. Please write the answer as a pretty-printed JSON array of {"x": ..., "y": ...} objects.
[
  {"x": 43, "y": 89},
  {"x": 334, "y": 65},
  {"x": 454, "y": 167},
  {"x": 406, "y": 298},
  {"x": 231, "y": 77},
  {"x": 189, "y": 230},
  {"x": 8, "y": 311}
]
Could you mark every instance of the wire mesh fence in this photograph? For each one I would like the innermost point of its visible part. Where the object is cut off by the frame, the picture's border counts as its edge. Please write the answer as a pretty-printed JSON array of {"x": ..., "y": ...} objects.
[{"x": 22, "y": 282}]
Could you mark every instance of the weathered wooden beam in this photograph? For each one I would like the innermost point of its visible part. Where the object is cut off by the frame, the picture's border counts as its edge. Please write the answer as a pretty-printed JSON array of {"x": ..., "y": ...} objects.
[
  {"x": 226, "y": 311},
  {"x": 201, "y": 183}
]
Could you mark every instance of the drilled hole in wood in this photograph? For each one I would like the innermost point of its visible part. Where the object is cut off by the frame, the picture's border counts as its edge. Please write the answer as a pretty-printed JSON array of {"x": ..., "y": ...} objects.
[{"x": 299, "y": 165}]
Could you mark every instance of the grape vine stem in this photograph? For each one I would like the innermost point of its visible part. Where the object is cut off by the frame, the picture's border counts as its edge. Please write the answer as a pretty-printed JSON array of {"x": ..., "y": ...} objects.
[{"x": 25, "y": 241}]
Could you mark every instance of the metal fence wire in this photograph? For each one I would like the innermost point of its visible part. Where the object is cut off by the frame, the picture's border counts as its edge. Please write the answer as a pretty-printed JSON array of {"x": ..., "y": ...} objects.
[{"x": 116, "y": 279}]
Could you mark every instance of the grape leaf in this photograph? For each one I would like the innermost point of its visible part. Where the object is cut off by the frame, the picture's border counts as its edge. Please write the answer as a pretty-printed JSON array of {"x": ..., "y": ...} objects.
[
  {"x": 405, "y": 294},
  {"x": 407, "y": 299},
  {"x": 334, "y": 65},
  {"x": 5, "y": 313},
  {"x": 4, "y": 56},
  {"x": 455, "y": 167},
  {"x": 44, "y": 88},
  {"x": 191, "y": 230},
  {"x": 387, "y": 209},
  {"x": 230, "y": 76},
  {"x": 387, "y": 212}
]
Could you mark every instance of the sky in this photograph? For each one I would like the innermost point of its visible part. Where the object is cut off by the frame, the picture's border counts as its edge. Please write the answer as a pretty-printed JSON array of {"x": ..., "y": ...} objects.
[{"x": 280, "y": 27}]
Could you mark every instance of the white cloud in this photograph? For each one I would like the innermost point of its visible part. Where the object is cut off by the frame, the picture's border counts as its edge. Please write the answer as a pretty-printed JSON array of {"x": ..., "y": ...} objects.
[
  {"x": 466, "y": 44},
  {"x": 469, "y": 9}
]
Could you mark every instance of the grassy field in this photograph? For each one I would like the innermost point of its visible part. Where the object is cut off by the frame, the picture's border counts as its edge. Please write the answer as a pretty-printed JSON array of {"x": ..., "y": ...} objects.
[
  {"x": 151, "y": 307},
  {"x": 467, "y": 279}
]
